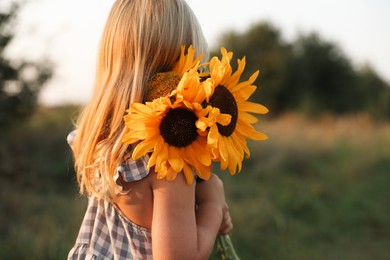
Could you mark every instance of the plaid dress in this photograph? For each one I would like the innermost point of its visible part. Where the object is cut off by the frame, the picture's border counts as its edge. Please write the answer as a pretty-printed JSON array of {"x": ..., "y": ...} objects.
[{"x": 105, "y": 232}]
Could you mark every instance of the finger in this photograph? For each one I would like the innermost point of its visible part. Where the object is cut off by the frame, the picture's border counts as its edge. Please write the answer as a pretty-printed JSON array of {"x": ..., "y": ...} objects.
[
  {"x": 226, "y": 225},
  {"x": 226, "y": 209},
  {"x": 226, "y": 229}
]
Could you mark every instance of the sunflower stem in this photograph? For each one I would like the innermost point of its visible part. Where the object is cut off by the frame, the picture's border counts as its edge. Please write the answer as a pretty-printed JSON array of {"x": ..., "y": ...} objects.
[{"x": 225, "y": 248}]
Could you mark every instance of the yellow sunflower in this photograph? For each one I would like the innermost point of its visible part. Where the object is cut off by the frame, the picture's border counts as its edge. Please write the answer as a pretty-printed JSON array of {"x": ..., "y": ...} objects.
[
  {"x": 227, "y": 142},
  {"x": 166, "y": 127}
]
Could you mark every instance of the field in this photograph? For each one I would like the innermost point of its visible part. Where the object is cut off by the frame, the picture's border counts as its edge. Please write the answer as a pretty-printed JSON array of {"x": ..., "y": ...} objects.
[{"x": 317, "y": 189}]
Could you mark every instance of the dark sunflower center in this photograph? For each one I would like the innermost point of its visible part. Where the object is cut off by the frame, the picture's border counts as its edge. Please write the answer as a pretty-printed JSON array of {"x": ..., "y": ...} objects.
[
  {"x": 178, "y": 127},
  {"x": 161, "y": 85},
  {"x": 224, "y": 100}
]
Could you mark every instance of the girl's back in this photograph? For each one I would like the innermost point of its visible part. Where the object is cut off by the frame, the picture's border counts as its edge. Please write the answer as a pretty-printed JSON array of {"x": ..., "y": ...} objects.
[{"x": 128, "y": 206}]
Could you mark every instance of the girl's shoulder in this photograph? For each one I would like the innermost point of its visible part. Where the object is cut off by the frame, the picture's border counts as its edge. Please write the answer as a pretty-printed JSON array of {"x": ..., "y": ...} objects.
[{"x": 128, "y": 170}]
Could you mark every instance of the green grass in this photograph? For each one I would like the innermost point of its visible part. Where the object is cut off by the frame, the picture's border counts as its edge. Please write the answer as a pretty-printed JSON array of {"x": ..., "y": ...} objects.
[{"x": 314, "y": 190}]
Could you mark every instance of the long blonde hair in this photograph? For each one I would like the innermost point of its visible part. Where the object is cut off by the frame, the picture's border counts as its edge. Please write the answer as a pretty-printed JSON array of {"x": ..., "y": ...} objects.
[{"x": 141, "y": 38}]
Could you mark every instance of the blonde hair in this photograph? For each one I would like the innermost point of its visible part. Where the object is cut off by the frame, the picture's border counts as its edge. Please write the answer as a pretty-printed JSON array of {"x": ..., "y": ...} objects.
[{"x": 141, "y": 38}]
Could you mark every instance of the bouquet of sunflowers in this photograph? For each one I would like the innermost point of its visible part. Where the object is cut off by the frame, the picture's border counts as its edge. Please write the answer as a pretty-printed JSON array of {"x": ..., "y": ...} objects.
[{"x": 192, "y": 118}]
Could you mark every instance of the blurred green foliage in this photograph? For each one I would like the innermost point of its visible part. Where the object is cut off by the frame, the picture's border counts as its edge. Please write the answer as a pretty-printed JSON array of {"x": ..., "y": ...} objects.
[
  {"x": 40, "y": 209},
  {"x": 314, "y": 190},
  {"x": 309, "y": 74}
]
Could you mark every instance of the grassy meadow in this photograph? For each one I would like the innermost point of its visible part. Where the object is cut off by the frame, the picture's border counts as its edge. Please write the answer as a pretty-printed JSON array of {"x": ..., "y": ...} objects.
[{"x": 317, "y": 189}]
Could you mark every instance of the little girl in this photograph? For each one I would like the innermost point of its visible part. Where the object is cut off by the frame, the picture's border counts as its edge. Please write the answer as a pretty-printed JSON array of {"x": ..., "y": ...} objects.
[{"x": 131, "y": 214}]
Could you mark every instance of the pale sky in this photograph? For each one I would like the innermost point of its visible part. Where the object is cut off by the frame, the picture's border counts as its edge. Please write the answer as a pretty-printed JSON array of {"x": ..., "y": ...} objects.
[{"x": 68, "y": 32}]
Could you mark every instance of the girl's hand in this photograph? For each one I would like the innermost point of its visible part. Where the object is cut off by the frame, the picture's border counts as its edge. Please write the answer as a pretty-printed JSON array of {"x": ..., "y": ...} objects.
[
  {"x": 212, "y": 191},
  {"x": 226, "y": 225}
]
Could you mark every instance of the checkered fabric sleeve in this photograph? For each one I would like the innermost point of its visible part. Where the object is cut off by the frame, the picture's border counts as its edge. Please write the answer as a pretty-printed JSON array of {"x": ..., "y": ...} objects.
[{"x": 132, "y": 170}]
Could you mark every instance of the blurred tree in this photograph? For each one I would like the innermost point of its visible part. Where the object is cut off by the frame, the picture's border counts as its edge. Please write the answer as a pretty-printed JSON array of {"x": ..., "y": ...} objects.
[
  {"x": 310, "y": 74},
  {"x": 321, "y": 77},
  {"x": 376, "y": 92},
  {"x": 20, "y": 81},
  {"x": 264, "y": 50}
]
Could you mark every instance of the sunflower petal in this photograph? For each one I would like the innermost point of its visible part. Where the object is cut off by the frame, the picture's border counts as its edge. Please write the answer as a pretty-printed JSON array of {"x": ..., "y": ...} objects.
[
  {"x": 142, "y": 148},
  {"x": 224, "y": 119},
  {"x": 240, "y": 142},
  {"x": 204, "y": 172},
  {"x": 224, "y": 164},
  {"x": 237, "y": 74},
  {"x": 252, "y": 107},
  {"x": 244, "y": 84},
  {"x": 234, "y": 157},
  {"x": 203, "y": 155},
  {"x": 141, "y": 109},
  {"x": 129, "y": 139},
  {"x": 171, "y": 174},
  {"x": 217, "y": 70},
  {"x": 250, "y": 132},
  {"x": 188, "y": 174},
  {"x": 222, "y": 148},
  {"x": 174, "y": 159},
  {"x": 186, "y": 61},
  {"x": 162, "y": 157},
  {"x": 247, "y": 117},
  {"x": 162, "y": 171},
  {"x": 153, "y": 157},
  {"x": 244, "y": 94},
  {"x": 212, "y": 138}
]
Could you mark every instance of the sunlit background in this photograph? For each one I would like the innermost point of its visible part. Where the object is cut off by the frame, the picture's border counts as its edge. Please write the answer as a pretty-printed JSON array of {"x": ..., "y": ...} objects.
[
  {"x": 317, "y": 189},
  {"x": 68, "y": 32}
]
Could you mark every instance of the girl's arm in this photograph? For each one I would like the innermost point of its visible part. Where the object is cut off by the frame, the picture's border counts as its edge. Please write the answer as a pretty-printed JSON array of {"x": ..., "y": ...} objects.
[{"x": 178, "y": 231}]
